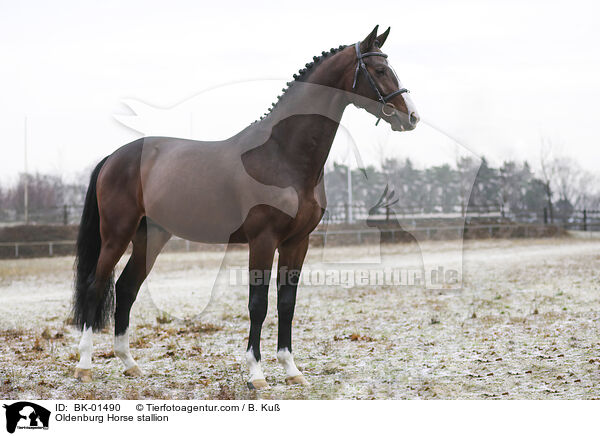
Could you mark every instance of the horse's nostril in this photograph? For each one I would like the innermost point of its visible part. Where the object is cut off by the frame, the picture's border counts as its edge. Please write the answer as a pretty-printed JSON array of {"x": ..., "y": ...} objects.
[{"x": 414, "y": 118}]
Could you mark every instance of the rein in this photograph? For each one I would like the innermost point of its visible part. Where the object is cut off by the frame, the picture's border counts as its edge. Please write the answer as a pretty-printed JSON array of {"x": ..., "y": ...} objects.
[{"x": 383, "y": 99}]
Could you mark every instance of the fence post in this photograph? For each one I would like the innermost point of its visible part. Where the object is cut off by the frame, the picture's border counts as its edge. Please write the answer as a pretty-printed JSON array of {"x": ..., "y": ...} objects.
[
  {"x": 545, "y": 215},
  {"x": 65, "y": 215},
  {"x": 347, "y": 213},
  {"x": 387, "y": 214},
  {"x": 50, "y": 249},
  {"x": 585, "y": 220}
]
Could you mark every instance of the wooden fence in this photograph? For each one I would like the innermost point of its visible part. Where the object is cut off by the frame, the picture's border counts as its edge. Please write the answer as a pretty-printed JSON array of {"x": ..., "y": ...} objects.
[{"x": 319, "y": 237}]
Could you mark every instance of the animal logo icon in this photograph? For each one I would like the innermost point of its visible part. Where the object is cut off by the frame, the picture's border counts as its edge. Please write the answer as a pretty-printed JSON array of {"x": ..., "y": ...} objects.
[{"x": 26, "y": 415}]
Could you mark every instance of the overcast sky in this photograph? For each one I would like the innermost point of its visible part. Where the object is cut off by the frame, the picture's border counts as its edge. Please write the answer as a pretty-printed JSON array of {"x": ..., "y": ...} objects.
[{"x": 495, "y": 76}]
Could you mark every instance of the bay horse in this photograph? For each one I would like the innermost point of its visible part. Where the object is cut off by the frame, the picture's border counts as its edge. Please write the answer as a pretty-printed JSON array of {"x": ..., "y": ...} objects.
[{"x": 263, "y": 186}]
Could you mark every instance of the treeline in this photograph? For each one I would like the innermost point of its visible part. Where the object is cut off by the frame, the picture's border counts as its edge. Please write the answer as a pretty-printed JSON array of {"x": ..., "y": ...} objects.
[
  {"x": 560, "y": 187},
  {"x": 46, "y": 196},
  {"x": 469, "y": 184}
]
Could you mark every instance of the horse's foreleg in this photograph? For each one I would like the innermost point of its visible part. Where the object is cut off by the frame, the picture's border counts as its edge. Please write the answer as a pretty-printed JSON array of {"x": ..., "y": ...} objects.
[
  {"x": 262, "y": 250},
  {"x": 291, "y": 259},
  {"x": 147, "y": 244}
]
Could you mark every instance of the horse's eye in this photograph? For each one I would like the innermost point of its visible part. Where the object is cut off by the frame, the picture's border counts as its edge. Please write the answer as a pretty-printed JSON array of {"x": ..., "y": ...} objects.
[{"x": 380, "y": 71}]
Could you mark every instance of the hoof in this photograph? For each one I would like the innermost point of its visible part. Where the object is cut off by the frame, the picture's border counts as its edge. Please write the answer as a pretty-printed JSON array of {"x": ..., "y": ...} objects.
[
  {"x": 260, "y": 383},
  {"x": 134, "y": 371},
  {"x": 296, "y": 380},
  {"x": 83, "y": 375}
]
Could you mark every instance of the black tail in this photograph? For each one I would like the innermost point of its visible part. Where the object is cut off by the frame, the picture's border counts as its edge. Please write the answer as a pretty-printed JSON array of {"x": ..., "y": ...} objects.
[{"x": 86, "y": 259}]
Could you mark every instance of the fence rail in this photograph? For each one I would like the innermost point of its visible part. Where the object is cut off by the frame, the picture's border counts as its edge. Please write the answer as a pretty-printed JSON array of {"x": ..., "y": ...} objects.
[
  {"x": 342, "y": 213},
  {"x": 360, "y": 235},
  {"x": 390, "y": 223},
  {"x": 50, "y": 244}
]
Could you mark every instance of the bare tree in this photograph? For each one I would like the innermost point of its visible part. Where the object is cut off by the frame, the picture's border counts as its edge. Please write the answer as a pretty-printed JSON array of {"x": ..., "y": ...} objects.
[{"x": 567, "y": 176}]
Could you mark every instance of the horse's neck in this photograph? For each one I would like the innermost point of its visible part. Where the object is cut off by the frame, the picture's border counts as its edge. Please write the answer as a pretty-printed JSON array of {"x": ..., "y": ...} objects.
[{"x": 305, "y": 124}]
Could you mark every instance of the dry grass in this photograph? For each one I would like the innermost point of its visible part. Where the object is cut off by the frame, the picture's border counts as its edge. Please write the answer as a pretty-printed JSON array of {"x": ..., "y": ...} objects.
[{"x": 525, "y": 325}]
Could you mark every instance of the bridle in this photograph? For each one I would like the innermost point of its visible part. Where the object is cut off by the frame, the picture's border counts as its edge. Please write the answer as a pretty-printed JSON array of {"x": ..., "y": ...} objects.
[{"x": 383, "y": 99}]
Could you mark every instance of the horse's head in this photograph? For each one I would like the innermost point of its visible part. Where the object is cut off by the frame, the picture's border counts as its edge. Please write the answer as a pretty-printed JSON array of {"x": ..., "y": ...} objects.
[{"x": 370, "y": 76}]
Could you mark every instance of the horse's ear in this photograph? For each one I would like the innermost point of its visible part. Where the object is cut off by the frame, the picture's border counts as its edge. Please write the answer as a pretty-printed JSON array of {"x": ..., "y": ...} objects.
[
  {"x": 381, "y": 38},
  {"x": 369, "y": 40}
]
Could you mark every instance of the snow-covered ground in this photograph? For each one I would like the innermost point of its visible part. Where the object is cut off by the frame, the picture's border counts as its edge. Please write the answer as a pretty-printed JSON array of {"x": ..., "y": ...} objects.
[{"x": 525, "y": 324}]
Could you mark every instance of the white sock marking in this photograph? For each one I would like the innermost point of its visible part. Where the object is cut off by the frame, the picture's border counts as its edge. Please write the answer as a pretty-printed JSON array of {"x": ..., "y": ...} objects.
[
  {"x": 286, "y": 360},
  {"x": 122, "y": 350},
  {"x": 85, "y": 349},
  {"x": 254, "y": 367}
]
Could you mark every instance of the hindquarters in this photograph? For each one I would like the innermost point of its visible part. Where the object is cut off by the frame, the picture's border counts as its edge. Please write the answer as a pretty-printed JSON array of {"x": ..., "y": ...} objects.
[{"x": 111, "y": 215}]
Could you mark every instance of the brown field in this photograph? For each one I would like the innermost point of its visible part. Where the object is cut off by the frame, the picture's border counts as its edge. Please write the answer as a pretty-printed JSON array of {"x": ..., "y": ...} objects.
[{"x": 526, "y": 324}]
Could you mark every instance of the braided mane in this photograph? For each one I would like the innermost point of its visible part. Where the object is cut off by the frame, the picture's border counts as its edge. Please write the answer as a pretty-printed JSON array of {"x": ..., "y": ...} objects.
[{"x": 302, "y": 75}]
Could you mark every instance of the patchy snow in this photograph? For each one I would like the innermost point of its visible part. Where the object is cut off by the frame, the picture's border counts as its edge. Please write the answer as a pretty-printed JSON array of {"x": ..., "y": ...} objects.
[{"x": 526, "y": 324}]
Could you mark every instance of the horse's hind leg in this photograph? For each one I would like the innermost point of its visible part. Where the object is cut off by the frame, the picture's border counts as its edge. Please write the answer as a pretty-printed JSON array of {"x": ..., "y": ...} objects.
[
  {"x": 98, "y": 295},
  {"x": 147, "y": 244}
]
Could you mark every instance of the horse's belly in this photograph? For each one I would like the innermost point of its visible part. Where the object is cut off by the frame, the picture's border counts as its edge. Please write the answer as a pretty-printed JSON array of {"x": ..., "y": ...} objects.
[{"x": 197, "y": 216}]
